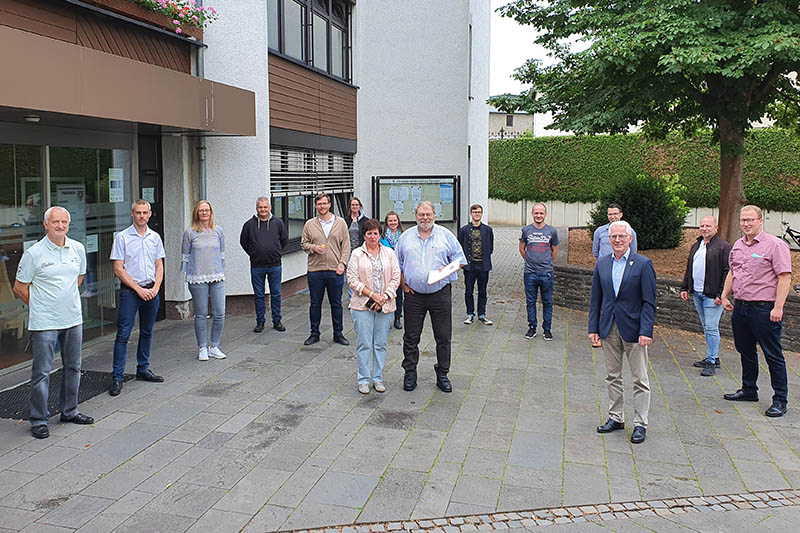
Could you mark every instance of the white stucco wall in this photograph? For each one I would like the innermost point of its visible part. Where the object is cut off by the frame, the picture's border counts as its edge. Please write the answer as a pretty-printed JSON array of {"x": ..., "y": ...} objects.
[
  {"x": 238, "y": 167},
  {"x": 411, "y": 65},
  {"x": 477, "y": 184}
]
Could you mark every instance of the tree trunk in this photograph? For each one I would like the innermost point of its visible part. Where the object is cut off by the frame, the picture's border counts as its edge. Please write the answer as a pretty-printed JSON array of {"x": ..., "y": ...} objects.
[{"x": 731, "y": 193}]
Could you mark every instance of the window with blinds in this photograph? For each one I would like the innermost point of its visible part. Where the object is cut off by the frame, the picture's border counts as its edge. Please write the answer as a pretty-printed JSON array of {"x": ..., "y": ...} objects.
[{"x": 299, "y": 171}]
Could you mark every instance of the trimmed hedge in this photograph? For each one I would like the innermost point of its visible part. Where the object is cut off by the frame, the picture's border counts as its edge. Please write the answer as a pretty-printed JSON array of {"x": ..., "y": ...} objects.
[{"x": 582, "y": 169}]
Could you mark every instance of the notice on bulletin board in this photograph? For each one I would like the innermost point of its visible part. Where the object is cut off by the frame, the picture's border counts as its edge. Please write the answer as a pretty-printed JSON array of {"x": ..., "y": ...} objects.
[
  {"x": 116, "y": 190},
  {"x": 149, "y": 194},
  {"x": 446, "y": 193}
]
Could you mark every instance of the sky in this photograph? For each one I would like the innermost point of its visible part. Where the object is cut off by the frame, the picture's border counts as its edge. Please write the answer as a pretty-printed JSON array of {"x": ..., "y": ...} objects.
[{"x": 511, "y": 45}]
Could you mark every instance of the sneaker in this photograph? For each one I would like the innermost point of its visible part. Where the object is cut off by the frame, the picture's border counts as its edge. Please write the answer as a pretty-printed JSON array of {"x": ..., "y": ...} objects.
[
  {"x": 547, "y": 335},
  {"x": 484, "y": 320},
  {"x": 702, "y": 363},
  {"x": 708, "y": 370},
  {"x": 531, "y": 333},
  {"x": 203, "y": 356},
  {"x": 379, "y": 386},
  {"x": 363, "y": 388},
  {"x": 469, "y": 319},
  {"x": 216, "y": 353}
]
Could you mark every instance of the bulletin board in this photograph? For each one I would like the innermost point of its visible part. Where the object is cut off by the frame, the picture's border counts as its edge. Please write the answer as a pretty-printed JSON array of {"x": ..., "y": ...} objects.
[{"x": 402, "y": 194}]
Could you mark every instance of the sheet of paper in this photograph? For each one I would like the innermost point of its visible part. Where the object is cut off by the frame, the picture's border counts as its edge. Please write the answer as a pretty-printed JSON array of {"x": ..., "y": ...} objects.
[
  {"x": 116, "y": 191},
  {"x": 393, "y": 194},
  {"x": 398, "y": 207},
  {"x": 91, "y": 243},
  {"x": 416, "y": 193},
  {"x": 437, "y": 210},
  {"x": 403, "y": 195},
  {"x": 149, "y": 194},
  {"x": 438, "y": 275}
]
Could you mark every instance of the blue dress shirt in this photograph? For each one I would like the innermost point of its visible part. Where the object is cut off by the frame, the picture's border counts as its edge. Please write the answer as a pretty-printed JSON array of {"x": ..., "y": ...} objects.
[
  {"x": 602, "y": 246},
  {"x": 418, "y": 256},
  {"x": 618, "y": 269},
  {"x": 138, "y": 253}
]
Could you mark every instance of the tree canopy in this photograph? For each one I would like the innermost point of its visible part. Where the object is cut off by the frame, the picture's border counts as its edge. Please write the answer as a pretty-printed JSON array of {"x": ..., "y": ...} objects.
[{"x": 665, "y": 66}]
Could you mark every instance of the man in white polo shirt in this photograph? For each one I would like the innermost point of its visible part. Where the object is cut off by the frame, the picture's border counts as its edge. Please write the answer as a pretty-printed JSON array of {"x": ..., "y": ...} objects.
[
  {"x": 138, "y": 256},
  {"x": 47, "y": 280}
]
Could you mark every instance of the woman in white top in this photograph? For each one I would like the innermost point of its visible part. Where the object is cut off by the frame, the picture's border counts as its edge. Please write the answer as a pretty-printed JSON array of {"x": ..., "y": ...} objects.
[{"x": 203, "y": 263}]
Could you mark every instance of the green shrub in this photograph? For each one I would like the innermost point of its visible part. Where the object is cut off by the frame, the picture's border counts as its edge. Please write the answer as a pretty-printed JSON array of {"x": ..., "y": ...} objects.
[{"x": 652, "y": 206}]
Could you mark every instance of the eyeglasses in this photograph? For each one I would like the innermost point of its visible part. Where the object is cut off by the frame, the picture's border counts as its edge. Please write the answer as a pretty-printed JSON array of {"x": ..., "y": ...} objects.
[
  {"x": 204, "y": 210},
  {"x": 617, "y": 237},
  {"x": 747, "y": 220}
]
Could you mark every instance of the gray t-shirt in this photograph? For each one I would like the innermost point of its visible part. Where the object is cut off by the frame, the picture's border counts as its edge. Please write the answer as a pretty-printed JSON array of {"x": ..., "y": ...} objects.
[{"x": 539, "y": 244}]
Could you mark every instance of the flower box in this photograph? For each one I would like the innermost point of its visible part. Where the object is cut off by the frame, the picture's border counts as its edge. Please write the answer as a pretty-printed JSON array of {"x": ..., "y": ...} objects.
[{"x": 134, "y": 11}]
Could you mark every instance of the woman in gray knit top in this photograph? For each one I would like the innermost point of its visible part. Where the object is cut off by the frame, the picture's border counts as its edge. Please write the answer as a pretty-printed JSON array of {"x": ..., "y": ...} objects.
[{"x": 203, "y": 252}]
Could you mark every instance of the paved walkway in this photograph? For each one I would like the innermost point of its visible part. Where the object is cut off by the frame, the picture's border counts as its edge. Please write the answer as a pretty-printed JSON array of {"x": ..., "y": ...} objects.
[{"x": 277, "y": 437}]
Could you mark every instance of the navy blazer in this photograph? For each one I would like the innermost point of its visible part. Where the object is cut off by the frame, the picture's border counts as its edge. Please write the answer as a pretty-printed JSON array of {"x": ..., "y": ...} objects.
[
  {"x": 487, "y": 236},
  {"x": 634, "y": 308}
]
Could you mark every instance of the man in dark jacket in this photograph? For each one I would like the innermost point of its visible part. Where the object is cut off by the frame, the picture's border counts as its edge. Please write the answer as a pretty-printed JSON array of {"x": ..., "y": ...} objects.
[
  {"x": 477, "y": 241},
  {"x": 705, "y": 275},
  {"x": 263, "y": 238}
]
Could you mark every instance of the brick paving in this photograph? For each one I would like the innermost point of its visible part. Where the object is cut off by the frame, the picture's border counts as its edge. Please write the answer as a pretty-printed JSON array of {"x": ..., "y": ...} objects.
[{"x": 276, "y": 437}]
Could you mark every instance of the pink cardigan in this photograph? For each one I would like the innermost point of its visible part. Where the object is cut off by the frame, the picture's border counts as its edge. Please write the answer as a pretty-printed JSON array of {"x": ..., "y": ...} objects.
[{"x": 359, "y": 275}]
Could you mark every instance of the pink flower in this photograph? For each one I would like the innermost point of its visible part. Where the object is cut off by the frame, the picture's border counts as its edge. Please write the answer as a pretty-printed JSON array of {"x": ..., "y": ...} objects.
[
  {"x": 178, "y": 30},
  {"x": 176, "y": 22},
  {"x": 181, "y": 15}
]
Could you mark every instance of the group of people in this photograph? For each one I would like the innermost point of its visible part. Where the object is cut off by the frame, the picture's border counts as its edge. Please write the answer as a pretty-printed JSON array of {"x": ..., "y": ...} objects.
[{"x": 397, "y": 277}]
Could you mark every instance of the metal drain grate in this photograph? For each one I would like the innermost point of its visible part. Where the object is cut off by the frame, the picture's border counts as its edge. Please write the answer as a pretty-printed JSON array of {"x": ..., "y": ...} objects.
[{"x": 15, "y": 403}]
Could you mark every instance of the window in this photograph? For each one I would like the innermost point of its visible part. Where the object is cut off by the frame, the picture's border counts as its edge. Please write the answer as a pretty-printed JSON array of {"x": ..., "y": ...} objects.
[
  {"x": 315, "y": 32},
  {"x": 510, "y": 120}
]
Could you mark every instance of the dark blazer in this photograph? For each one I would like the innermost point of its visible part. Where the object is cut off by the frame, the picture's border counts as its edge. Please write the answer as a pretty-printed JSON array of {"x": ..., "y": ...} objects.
[
  {"x": 487, "y": 236},
  {"x": 717, "y": 252},
  {"x": 634, "y": 308}
]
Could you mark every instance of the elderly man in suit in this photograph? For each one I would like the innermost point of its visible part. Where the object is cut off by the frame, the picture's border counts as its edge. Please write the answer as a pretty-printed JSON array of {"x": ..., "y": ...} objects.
[{"x": 622, "y": 311}]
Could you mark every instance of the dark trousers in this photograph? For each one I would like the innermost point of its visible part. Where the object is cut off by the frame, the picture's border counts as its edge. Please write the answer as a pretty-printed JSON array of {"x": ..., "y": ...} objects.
[
  {"x": 129, "y": 305},
  {"x": 439, "y": 305},
  {"x": 751, "y": 325},
  {"x": 470, "y": 277},
  {"x": 318, "y": 283},
  {"x": 273, "y": 276},
  {"x": 398, "y": 312}
]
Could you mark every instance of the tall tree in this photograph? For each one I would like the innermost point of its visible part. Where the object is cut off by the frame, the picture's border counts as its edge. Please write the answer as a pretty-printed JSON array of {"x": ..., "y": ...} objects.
[{"x": 666, "y": 65}]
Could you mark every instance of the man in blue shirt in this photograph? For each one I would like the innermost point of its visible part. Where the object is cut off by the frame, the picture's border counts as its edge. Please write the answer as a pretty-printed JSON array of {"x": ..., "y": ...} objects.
[
  {"x": 600, "y": 244},
  {"x": 48, "y": 277},
  {"x": 138, "y": 256},
  {"x": 421, "y": 250},
  {"x": 622, "y": 311}
]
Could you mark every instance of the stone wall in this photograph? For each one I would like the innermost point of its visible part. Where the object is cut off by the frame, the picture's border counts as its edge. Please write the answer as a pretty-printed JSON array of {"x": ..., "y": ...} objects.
[{"x": 573, "y": 287}]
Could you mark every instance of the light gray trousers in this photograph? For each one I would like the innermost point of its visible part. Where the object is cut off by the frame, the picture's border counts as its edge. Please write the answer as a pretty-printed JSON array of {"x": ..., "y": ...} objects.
[{"x": 44, "y": 348}]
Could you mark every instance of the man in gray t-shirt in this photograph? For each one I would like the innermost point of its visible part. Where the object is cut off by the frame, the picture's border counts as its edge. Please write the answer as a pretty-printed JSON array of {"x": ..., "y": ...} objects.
[{"x": 538, "y": 245}]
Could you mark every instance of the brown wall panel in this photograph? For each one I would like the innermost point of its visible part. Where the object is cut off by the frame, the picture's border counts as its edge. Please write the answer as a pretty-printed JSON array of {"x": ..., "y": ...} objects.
[
  {"x": 50, "y": 19},
  {"x": 303, "y": 100}
]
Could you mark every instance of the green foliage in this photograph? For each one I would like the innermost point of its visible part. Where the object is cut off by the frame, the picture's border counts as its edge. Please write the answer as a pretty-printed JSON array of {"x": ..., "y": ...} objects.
[
  {"x": 653, "y": 207},
  {"x": 583, "y": 169}
]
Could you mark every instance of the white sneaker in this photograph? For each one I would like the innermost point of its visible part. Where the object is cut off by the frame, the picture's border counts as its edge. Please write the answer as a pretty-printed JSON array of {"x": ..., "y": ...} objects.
[
  {"x": 379, "y": 386},
  {"x": 469, "y": 319},
  {"x": 216, "y": 353},
  {"x": 203, "y": 356},
  {"x": 363, "y": 388}
]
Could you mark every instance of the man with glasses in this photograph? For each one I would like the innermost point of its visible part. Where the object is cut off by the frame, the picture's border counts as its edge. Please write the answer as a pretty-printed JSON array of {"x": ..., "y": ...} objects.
[
  {"x": 622, "y": 312},
  {"x": 326, "y": 240},
  {"x": 760, "y": 276},
  {"x": 600, "y": 243},
  {"x": 421, "y": 250},
  {"x": 477, "y": 242}
]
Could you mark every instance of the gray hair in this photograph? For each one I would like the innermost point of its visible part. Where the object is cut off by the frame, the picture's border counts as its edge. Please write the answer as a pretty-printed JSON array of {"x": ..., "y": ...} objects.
[
  {"x": 622, "y": 223},
  {"x": 141, "y": 202},
  {"x": 50, "y": 211},
  {"x": 425, "y": 202},
  {"x": 262, "y": 199}
]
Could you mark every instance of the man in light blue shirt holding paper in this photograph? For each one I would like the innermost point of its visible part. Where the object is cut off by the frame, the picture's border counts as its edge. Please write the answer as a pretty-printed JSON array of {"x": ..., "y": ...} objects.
[
  {"x": 47, "y": 280},
  {"x": 421, "y": 250}
]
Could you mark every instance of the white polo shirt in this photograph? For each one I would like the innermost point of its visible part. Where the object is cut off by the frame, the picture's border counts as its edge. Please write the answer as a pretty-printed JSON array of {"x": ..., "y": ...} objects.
[
  {"x": 52, "y": 272},
  {"x": 138, "y": 253}
]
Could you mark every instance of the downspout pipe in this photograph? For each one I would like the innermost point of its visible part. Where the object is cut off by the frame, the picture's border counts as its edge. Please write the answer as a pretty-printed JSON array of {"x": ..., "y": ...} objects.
[{"x": 201, "y": 144}]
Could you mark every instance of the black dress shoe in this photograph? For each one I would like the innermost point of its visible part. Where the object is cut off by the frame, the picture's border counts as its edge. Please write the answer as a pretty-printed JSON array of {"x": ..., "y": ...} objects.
[
  {"x": 610, "y": 425},
  {"x": 702, "y": 363},
  {"x": 278, "y": 326},
  {"x": 776, "y": 409},
  {"x": 312, "y": 339},
  {"x": 740, "y": 396},
  {"x": 80, "y": 418},
  {"x": 40, "y": 432},
  {"x": 638, "y": 435},
  {"x": 443, "y": 382},
  {"x": 397, "y": 324},
  {"x": 148, "y": 375},
  {"x": 340, "y": 339},
  {"x": 410, "y": 381},
  {"x": 709, "y": 370},
  {"x": 116, "y": 387},
  {"x": 259, "y": 327}
]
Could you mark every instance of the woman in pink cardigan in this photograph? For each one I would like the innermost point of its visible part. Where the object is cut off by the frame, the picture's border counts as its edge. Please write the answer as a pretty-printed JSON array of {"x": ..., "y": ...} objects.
[{"x": 373, "y": 274}]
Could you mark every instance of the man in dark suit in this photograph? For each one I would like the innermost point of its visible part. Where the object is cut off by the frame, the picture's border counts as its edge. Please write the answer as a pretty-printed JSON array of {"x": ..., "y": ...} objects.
[{"x": 622, "y": 311}]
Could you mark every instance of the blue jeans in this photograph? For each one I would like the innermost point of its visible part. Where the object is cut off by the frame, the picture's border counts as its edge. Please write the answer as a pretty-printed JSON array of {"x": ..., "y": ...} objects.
[
  {"x": 471, "y": 275},
  {"x": 534, "y": 282},
  {"x": 318, "y": 283},
  {"x": 129, "y": 305},
  {"x": 273, "y": 275},
  {"x": 751, "y": 325},
  {"x": 373, "y": 332},
  {"x": 201, "y": 292},
  {"x": 44, "y": 348},
  {"x": 709, "y": 314}
]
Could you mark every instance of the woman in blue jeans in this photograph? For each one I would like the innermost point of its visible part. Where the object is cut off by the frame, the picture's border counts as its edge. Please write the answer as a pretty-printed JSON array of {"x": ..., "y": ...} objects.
[
  {"x": 392, "y": 228},
  {"x": 373, "y": 274},
  {"x": 203, "y": 251}
]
